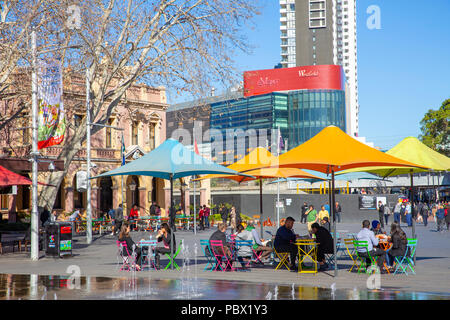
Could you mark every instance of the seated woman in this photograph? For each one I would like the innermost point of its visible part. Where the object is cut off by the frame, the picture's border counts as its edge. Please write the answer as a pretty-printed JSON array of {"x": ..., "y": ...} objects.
[
  {"x": 164, "y": 235},
  {"x": 124, "y": 235},
  {"x": 399, "y": 242},
  {"x": 244, "y": 251}
]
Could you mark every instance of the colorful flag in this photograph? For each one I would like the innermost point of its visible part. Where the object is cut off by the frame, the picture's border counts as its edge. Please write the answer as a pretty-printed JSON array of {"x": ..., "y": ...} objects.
[
  {"x": 123, "y": 151},
  {"x": 51, "y": 119}
]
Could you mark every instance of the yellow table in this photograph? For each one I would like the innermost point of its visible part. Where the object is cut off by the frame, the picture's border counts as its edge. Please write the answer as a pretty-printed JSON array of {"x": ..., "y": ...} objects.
[{"x": 307, "y": 249}]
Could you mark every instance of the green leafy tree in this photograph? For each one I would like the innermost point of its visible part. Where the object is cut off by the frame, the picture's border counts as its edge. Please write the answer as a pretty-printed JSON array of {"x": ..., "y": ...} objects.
[{"x": 435, "y": 129}]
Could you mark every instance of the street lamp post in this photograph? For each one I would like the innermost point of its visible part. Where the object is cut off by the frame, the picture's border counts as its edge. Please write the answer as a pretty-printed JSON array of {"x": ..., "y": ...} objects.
[
  {"x": 34, "y": 155},
  {"x": 88, "y": 160}
]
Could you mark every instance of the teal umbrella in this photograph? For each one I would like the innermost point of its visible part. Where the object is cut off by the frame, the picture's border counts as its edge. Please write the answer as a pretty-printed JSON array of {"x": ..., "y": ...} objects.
[{"x": 170, "y": 160}]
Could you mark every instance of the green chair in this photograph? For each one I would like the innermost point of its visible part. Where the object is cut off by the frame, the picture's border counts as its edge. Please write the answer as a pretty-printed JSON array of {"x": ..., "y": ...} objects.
[
  {"x": 174, "y": 256},
  {"x": 407, "y": 261},
  {"x": 362, "y": 259}
]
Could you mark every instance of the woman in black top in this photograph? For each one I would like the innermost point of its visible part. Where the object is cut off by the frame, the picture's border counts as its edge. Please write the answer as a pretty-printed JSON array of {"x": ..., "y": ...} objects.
[
  {"x": 124, "y": 235},
  {"x": 399, "y": 242},
  {"x": 164, "y": 235}
]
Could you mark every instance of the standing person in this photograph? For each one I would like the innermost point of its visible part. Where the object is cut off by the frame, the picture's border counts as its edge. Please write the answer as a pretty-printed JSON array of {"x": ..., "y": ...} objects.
[
  {"x": 153, "y": 209},
  {"x": 304, "y": 209},
  {"x": 206, "y": 215},
  {"x": 285, "y": 240},
  {"x": 387, "y": 213},
  {"x": 312, "y": 217},
  {"x": 233, "y": 219},
  {"x": 397, "y": 210},
  {"x": 440, "y": 218},
  {"x": 408, "y": 214},
  {"x": 118, "y": 220},
  {"x": 110, "y": 214},
  {"x": 134, "y": 215},
  {"x": 402, "y": 212},
  {"x": 381, "y": 213},
  {"x": 424, "y": 210},
  {"x": 338, "y": 212},
  {"x": 201, "y": 216},
  {"x": 165, "y": 235},
  {"x": 323, "y": 213},
  {"x": 327, "y": 206},
  {"x": 447, "y": 218},
  {"x": 45, "y": 216}
]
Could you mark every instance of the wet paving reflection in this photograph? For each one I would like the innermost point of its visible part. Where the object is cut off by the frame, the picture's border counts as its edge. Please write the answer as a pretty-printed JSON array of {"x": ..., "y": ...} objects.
[{"x": 37, "y": 287}]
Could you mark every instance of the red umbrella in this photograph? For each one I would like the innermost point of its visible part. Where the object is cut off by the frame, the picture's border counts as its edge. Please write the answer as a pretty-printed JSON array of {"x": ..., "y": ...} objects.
[{"x": 9, "y": 178}]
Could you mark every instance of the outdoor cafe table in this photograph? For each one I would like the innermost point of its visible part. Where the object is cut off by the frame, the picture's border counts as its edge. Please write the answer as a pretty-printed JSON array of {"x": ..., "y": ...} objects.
[{"x": 307, "y": 248}]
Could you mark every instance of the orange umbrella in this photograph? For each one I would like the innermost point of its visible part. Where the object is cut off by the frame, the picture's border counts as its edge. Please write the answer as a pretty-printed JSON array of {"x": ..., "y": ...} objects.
[
  {"x": 252, "y": 164},
  {"x": 333, "y": 150}
]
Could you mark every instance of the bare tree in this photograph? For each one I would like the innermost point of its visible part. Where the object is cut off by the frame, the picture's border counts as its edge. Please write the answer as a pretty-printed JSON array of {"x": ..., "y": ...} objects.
[{"x": 186, "y": 45}]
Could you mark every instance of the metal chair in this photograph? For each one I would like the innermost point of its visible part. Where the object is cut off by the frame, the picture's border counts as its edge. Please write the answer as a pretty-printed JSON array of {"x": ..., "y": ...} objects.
[
  {"x": 244, "y": 243},
  {"x": 407, "y": 260},
  {"x": 282, "y": 256},
  {"x": 150, "y": 255},
  {"x": 363, "y": 260},
  {"x": 350, "y": 252},
  {"x": 172, "y": 261},
  {"x": 204, "y": 244},
  {"x": 219, "y": 253},
  {"x": 128, "y": 260}
]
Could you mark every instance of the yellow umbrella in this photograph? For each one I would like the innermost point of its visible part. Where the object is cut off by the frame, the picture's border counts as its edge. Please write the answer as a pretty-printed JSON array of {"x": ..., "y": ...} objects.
[
  {"x": 252, "y": 164},
  {"x": 333, "y": 150},
  {"x": 410, "y": 149}
]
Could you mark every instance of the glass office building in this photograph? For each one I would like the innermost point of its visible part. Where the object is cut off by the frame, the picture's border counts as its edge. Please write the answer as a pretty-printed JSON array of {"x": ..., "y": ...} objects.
[
  {"x": 312, "y": 110},
  {"x": 253, "y": 117},
  {"x": 299, "y": 114}
]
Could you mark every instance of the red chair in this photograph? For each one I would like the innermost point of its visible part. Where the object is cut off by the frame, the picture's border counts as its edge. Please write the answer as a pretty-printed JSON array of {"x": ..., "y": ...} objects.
[
  {"x": 219, "y": 253},
  {"x": 128, "y": 261}
]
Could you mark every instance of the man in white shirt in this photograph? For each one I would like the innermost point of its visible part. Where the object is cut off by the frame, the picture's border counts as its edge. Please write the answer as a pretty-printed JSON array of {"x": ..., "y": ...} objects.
[{"x": 366, "y": 235}]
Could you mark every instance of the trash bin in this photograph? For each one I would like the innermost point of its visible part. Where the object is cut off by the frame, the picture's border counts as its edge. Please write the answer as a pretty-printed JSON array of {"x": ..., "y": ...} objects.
[{"x": 58, "y": 239}]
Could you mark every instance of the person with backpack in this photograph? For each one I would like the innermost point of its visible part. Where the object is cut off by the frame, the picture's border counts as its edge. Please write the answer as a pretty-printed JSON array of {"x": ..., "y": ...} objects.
[{"x": 424, "y": 210}]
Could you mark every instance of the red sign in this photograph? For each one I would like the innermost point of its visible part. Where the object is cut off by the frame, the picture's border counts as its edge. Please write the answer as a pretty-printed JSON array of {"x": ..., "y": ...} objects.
[
  {"x": 66, "y": 229},
  {"x": 327, "y": 77}
]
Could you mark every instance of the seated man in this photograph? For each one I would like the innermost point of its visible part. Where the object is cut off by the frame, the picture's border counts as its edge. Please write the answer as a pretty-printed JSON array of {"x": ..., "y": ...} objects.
[
  {"x": 366, "y": 235},
  {"x": 325, "y": 223},
  {"x": 259, "y": 244},
  {"x": 325, "y": 240},
  {"x": 376, "y": 228},
  {"x": 284, "y": 240},
  {"x": 219, "y": 234}
]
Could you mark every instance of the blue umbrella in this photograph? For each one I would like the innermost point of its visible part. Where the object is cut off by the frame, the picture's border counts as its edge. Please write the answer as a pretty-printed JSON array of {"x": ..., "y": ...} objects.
[{"x": 170, "y": 160}]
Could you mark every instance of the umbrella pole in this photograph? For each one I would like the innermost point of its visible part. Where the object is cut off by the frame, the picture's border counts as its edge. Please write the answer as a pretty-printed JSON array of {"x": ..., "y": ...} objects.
[
  {"x": 412, "y": 210},
  {"x": 195, "y": 212},
  {"x": 261, "y": 206},
  {"x": 333, "y": 210},
  {"x": 172, "y": 225}
]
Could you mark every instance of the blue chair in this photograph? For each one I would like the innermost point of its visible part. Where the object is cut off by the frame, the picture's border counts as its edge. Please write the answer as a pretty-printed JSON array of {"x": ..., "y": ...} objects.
[
  {"x": 151, "y": 245},
  {"x": 240, "y": 244},
  {"x": 204, "y": 244},
  {"x": 407, "y": 260}
]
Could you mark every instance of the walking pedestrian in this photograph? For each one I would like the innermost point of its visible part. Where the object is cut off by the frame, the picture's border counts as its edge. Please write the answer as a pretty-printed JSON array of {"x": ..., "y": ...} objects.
[
  {"x": 440, "y": 218},
  {"x": 447, "y": 217},
  {"x": 424, "y": 210},
  {"x": 387, "y": 213},
  {"x": 201, "y": 216},
  {"x": 303, "y": 214},
  {"x": 233, "y": 219},
  {"x": 118, "y": 220},
  {"x": 397, "y": 210},
  {"x": 381, "y": 213},
  {"x": 338, "y": 211},
  {"x": 206, "y": 215},
  {"x": 408, "y": 214}
]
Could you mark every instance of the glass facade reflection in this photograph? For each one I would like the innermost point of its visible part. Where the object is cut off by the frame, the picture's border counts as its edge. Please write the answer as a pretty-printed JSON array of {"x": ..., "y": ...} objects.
[
  {"x": 312, "y": 110},
  {"x": 299, "y": 114}
]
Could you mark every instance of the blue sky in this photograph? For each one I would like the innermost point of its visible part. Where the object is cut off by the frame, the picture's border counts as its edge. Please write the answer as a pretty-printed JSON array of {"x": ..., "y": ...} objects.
[{"x": 403, "y": 68}]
